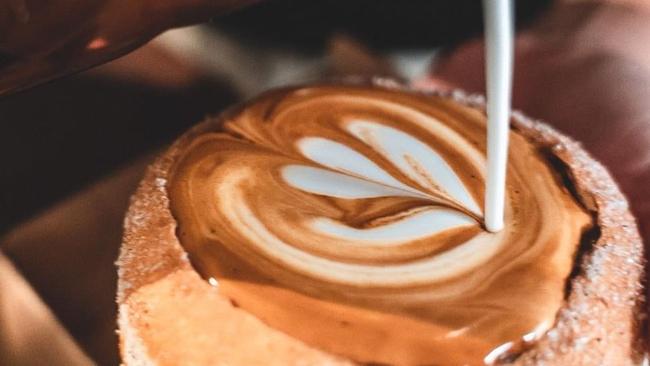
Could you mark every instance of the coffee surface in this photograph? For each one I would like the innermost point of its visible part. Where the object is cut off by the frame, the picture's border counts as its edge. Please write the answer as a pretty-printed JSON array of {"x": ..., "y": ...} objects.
[{"x": 352, "y": 218}]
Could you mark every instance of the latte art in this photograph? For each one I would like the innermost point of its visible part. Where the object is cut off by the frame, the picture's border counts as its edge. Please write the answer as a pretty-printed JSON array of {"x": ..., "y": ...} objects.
[
  {"x": 347, "y": 174},
  {"x": 351, "y": 218}
]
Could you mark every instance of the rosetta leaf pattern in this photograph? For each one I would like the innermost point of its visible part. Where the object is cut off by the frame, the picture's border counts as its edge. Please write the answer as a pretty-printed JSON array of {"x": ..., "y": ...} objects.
[{"x": 346, "y": 173}]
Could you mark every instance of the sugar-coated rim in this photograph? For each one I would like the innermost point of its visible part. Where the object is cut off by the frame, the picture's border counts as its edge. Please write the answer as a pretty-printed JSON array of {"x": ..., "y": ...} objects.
[{"x": 601, "y": 320}]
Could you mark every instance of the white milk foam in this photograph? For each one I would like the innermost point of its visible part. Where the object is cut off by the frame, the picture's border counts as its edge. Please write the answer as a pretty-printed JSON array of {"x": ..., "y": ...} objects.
[
  {"x": 348, "y": 174},
  {"x": 416, "y": 226}
]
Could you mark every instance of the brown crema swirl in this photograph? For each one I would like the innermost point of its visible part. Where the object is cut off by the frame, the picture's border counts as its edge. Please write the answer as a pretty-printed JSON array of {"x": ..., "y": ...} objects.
[{"x": 351, "y": 218}]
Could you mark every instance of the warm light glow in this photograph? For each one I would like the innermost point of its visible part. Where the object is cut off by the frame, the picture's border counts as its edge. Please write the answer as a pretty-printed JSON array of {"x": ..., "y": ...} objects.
[{"x": 97, "y": 43}]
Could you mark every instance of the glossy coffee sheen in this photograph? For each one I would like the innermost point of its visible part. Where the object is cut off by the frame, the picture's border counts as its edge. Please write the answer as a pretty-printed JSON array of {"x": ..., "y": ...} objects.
[{"x": 351, "y": 218}]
